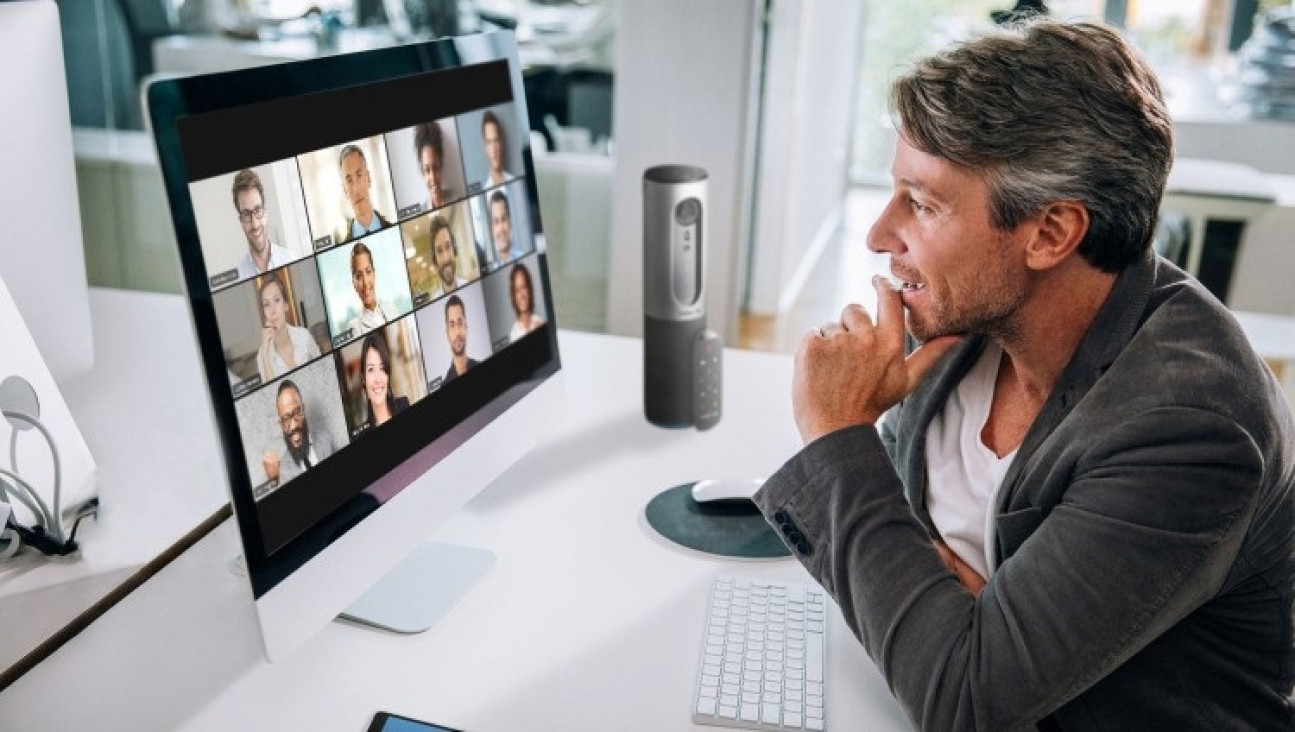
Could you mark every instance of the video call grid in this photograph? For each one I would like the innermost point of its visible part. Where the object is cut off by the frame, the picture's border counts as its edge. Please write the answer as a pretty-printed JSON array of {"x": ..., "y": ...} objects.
[{"x": 474, "y": 194}]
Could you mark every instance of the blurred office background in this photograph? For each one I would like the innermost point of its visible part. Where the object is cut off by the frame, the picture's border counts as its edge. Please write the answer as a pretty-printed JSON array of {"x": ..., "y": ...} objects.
[{"x": 784, "y": 101}]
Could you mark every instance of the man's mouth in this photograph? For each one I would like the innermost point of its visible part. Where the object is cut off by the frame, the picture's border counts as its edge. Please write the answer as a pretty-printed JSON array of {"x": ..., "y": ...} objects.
[{"x": 899, "y": 283}]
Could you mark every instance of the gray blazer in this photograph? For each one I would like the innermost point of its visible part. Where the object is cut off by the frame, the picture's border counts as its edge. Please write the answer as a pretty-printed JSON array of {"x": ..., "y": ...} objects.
[
  {"x": 1145, "y": 536},
  {"x": 320, "y": 440}
]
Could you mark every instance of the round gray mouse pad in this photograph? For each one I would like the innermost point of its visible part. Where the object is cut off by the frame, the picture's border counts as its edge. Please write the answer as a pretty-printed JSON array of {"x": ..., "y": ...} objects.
[{"x": 726, "y": 528}]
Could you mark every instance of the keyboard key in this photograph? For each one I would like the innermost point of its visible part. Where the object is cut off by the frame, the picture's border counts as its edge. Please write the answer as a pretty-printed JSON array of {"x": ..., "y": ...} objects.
[
  {"x": 791, "y": 720},
  {"x": 770, "y": 713},
  {"x": 750, "y": 712}
]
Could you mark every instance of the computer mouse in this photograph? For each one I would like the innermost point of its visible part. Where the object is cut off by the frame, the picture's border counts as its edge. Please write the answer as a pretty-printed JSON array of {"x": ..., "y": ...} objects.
[{"x": 713, "y": 490}]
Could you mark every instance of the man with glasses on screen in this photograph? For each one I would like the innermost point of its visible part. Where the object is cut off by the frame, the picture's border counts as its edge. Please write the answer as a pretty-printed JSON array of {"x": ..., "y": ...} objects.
[
  {"x": 249, "y": 201},
  {"x": 304, "y": 446}
]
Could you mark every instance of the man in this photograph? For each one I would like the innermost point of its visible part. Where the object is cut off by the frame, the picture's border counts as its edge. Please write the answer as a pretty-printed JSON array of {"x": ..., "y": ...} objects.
[
  {"x": 1079, "y": 512},
  {"x": 249, "y": 201},
  {"x": 364, "y": 278},
  {"x": 456, "y": 331},
  {"x": 305, "y": 447},
  {"x": 430, "y": 146},
  {"x": 445, "y": 257},
  {"x": 501, "y": 229},
  {"x": 357, "y": 185},
  {"x": 492, "y": 134}
]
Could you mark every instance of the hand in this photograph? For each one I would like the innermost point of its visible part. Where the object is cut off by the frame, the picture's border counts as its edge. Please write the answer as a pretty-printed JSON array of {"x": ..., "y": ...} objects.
[
  {"x": 267, "y": 338},
  {"x": 270, "y": 461},
  {"x": 851, "y": 372},
  {"x": 966, "y": 575}
]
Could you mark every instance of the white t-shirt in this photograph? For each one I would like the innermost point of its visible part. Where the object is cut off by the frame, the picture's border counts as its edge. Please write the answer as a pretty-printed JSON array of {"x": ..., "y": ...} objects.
[
  {"x": 278, "y": 257},
  {"x": 963, "y": 475}
]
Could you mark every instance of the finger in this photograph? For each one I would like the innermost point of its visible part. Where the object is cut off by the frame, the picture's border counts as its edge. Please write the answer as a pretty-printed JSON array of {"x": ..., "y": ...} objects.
[
  {"x": 890, "y": 307},
  {"x": 920, "y": 362},
  {"x": 854, "y": 318}
]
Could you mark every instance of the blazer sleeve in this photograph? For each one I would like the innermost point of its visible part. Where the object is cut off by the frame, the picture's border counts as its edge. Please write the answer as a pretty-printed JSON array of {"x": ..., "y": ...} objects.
[{"x": 1149, "y": 524}]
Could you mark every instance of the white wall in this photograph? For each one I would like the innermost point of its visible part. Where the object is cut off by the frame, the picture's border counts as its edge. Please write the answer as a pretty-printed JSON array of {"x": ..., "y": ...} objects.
[{"x": 685, "y": 93}]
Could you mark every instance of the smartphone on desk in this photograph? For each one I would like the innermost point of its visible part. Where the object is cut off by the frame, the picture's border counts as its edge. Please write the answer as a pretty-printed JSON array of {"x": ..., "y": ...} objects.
[{"x": 388, "y": 722}]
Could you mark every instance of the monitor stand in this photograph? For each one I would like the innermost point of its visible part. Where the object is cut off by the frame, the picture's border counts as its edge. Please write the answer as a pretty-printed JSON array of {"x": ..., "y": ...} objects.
[{"x": 420, "y": 590}]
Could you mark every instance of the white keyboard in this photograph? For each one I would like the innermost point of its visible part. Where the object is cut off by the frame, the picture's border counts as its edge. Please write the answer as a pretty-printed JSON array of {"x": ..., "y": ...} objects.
[{"x": 762, "y": 656}]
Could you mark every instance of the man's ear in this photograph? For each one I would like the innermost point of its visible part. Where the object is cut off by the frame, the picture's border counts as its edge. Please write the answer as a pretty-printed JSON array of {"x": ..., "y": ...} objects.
[{"x": 1056, "y": 232}]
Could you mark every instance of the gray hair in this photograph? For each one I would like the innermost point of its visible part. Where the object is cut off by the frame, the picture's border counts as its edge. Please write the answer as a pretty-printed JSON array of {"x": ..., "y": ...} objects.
[{"x": 1048, "y": 111}]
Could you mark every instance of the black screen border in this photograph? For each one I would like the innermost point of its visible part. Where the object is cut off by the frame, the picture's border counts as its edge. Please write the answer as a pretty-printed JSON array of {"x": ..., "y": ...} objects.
[{"x": 484, "y": 393}]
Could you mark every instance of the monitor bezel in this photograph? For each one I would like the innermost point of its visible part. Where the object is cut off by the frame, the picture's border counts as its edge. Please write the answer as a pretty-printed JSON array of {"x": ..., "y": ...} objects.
[{"x": 169, "y": 101}]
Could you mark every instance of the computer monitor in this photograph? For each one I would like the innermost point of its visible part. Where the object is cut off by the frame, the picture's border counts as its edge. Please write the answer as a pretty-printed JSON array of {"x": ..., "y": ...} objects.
[{"x": 361, "y": 242}]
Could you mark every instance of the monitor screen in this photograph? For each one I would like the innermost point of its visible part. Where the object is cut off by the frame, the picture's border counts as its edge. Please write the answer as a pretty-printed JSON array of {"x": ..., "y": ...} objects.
[{"x": 363, "y": 250}]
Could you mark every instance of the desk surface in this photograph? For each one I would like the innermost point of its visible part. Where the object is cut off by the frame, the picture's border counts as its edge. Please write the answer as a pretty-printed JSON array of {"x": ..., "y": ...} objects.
[
  {"x": 589, "y": 621},
  {"x": 155, "y": 483}
]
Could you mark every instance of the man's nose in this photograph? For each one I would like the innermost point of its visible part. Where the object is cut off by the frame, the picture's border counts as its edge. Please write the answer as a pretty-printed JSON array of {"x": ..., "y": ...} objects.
[{"x": 882, "y": 237}]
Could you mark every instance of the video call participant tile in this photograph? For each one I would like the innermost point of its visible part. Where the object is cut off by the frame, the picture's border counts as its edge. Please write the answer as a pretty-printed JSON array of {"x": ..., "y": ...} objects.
[
  {"x": 502, "y": 219},
  {"x": 348, "y": 191},
  {"x": 440, "y": 254},
  {"x": 455, "y": 334},
  {"x": 381, "y": 375},
  {"x": 514, "y": 302},
  {"x": 291, "y": 425},
  {"x": 365, "y": 285},
  {"x": 271, "y": 324},
  {"x": 250, "y": 221},
  {"x": 426, "y": 167},
  {"x": 492, "y": 147}
]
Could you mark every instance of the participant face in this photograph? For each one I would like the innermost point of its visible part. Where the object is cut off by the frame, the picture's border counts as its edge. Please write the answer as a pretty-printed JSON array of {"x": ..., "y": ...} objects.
[
  {"x": 292, "y": 419},
  {"x": 443, "y": 253},
  {"x": 375, "y": 377},
  {"x": 251, "y": 216},
  {"x": 521, "y": 293},
  {"x": 273, "y": 307},
  {"x": 355, "y": 182},
  {"x": 432, "y": 175},
  {"x": 963, "y": 275},
  {"x": 365, "y": 281},
  {"x": 501, "y": 228},
  {"x": 494, "y": 146},
  {"x": 456, "y": 329}
]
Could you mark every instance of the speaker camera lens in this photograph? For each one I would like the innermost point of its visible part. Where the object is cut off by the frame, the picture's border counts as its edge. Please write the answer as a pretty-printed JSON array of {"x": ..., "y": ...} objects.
[{"x": 687, "y": 212}]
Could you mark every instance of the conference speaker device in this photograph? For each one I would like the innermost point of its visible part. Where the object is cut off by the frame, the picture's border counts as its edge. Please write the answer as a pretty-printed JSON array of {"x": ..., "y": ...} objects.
[{"x": 675, "y": 391}]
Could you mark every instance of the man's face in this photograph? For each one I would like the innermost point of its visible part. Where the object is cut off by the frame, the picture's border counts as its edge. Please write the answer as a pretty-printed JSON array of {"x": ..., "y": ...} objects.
[
  {"x": 292, "y": 419},
  {"x": 962, "y": 275},
  {"x": 501, "y": 228},
  {"x": 365, "y": 281},
  {"x": 443, "y": 253},
  {"x": 456, "y": 329},
  {"x": 355, "y": 182},
  {"x": 251, "y": 216},
  {"x": 494, "y": 145},
  {"x": 431, "y": 164}
]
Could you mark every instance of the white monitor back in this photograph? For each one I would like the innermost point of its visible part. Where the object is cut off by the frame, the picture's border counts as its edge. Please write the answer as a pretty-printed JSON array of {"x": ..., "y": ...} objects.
[{"x": 41, "y": 257}]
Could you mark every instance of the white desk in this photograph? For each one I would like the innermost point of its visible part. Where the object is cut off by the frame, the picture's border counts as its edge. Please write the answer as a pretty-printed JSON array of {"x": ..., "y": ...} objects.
[
  {"x": 588, "y": 622},
  {"x": 144, "y": 412}
]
